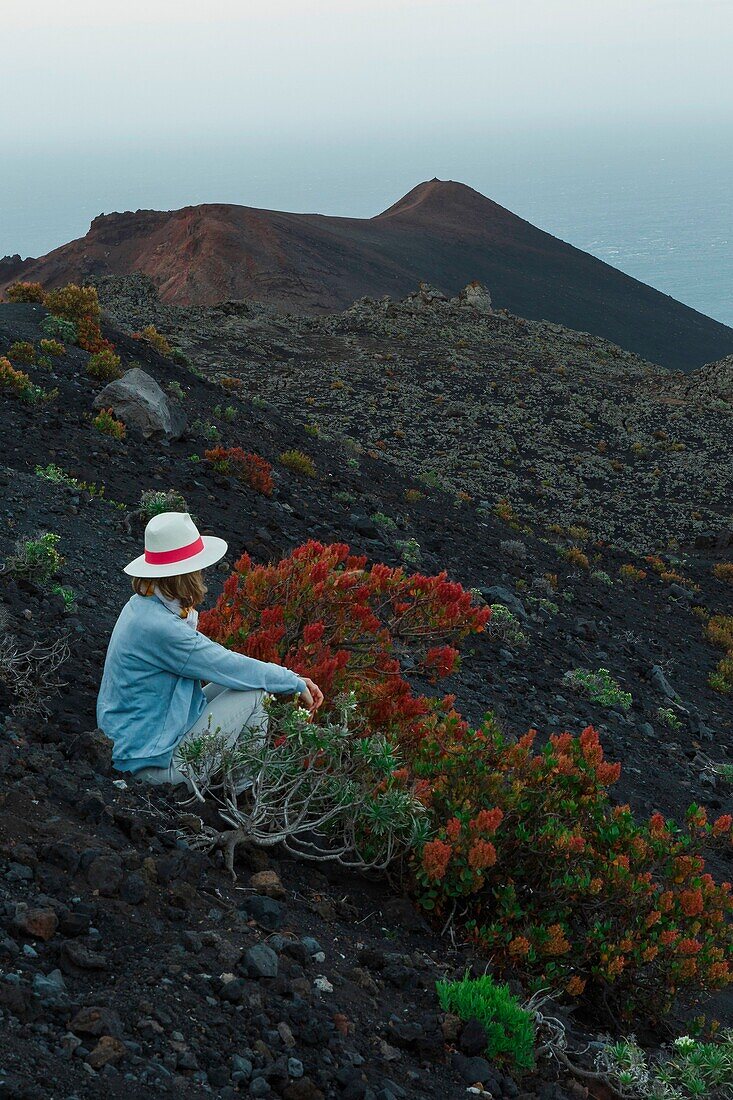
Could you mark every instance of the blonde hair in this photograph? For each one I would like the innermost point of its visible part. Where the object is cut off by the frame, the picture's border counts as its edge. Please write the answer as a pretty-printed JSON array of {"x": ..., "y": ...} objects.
[{"x": 188, "y": 588}]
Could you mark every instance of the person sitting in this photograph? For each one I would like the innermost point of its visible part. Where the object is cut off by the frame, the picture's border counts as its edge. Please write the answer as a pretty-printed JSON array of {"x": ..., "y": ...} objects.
[{"x": 151, "y": 698}]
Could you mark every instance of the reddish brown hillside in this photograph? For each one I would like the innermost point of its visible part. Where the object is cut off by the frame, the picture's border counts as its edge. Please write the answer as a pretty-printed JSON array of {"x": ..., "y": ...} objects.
[{"x": 442, "y": 232}]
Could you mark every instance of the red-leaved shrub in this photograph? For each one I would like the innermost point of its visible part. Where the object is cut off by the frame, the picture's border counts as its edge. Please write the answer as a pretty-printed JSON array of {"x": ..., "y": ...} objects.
[
  {"x": 324, "y": 612},
  {"x": 252, "y": 469},
  {"x": 556, "y": 883}
]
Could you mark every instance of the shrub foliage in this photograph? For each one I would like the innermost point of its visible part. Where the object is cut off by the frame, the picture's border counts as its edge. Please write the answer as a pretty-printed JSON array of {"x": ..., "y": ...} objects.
[
  {"x": 25, "y": 292},
  {"x": 104, "y": 365},
  {"x": 105, "y": 423},
  {"x": 249, "y": 468},
  {"x": 298, "y": 463},
  {"x": 328, "y": 790},
  {"x": 553, "y": 880},
  {"x": 510, "y": 1029},
  {"x": 325, "y": 612},
  {"x": 18, "y": 383},
  {"x": 524, "y": 849}
]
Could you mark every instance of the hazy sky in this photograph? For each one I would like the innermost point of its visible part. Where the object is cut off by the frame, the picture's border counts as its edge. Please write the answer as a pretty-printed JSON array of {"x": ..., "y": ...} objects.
[{"x": 81, "y": 69}]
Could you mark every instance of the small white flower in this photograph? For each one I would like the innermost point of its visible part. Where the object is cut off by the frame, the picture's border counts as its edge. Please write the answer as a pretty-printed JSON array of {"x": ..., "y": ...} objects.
[{"x": 684, "y": 1041}]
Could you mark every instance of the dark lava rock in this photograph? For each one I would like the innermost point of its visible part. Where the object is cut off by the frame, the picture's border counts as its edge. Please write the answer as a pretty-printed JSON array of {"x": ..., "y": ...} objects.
[
  {"x": 96, "y": 1020},
  {"x": 260, "y": 961},
  {"x": 105, "y": 874},
  {"x": 266, "y": 911},
  {"x": 473, "y": 1037}
]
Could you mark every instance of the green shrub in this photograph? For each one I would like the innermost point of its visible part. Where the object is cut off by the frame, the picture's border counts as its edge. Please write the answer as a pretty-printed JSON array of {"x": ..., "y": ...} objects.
[
  {"x": 599, "y": 686},
  {"x": 37, "y": 558},
  {"x": 67, "y": 594},
  {"x": 510, "y": 1029},
  {"x": 155, "y": 501},
  {"x": 505, "y": 626},
  {"x": 58, "y": 476},
  {"x": 209, "y": 431},
  {"x": 382, "y": 520},
  {"x": 432, "y": 479},
  {"x": 669, "y": 718},
  {"x": 343, "y": 779},
  {"x": 692, "y": 1069},
  {"x": 57, "y": 328},
  {"x": 298, "y": 463},
  {"x": 105, "y": 365},
  {"x": 409, "y": 550},
  {"x": 721, "y": 679}
]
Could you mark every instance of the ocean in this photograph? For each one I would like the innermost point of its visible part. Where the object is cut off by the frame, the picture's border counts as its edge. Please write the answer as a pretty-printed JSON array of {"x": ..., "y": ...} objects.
[{"x": 652, "y": 200}]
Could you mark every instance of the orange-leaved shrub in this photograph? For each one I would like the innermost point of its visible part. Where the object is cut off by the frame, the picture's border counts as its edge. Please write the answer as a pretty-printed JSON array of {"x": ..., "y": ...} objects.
[
  {"x": 250, "y": 468},
  {"x": 51, "y": 347},
  {"x": 156, "y": 340},
  {"x": 723, "y": 571},
  {"x": 25, "y": 292},
  {"x": 18, "y": 383},
  {"x": 556, "y": 883},
  {"x": 79, "y": 304},
  {"x": 106, "y": 423},
  {"x": 324, "y": 612},
  {"x": 719, "y": 630},
  {"x": 22, "y": 351}
]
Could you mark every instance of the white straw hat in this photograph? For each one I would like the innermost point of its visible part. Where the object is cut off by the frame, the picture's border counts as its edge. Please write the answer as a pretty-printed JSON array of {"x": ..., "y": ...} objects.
[{"x": 173, "y": 546}]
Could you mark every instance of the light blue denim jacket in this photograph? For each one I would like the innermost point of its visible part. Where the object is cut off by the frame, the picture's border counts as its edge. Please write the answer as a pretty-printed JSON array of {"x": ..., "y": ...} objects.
[{"x": 151, "y": 694}]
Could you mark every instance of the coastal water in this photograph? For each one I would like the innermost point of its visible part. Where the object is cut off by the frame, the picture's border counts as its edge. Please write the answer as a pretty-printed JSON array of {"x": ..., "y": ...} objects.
[{"x": 654, "y": 201}]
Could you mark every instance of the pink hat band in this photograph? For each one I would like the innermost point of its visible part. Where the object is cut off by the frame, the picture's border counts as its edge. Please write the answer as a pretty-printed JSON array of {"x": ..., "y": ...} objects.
[{"x": 171, "y": 557}]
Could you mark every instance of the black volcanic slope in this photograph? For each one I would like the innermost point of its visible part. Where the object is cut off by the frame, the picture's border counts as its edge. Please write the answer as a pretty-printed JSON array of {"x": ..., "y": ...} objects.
[{"x": 444, "y": 233}]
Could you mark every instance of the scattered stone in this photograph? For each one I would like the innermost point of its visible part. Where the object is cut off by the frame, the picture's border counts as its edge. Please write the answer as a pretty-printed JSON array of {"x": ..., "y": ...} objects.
[
  {"x": 104, "y": 874},
  {"x": 260, "y": 961},
  {"x": 96, "y": 1020},
  {"x": 134, "y": 889},
  {"x": 265, "y": 910},
  {"x": 108, "y": 1050},
  {"x": 76, "y": 955},
  {"x": 140, "y": 403},
  {"x": 268, "y": 883},
  {"x": 39, "y": 923}
]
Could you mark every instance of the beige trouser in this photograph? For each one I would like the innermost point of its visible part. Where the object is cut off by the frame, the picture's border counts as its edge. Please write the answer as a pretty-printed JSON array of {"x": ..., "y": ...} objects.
[{"x": 228, "y": 712}]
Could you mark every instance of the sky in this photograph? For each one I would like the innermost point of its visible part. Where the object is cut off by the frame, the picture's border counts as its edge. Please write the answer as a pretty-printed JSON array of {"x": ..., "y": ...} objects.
[
  {"x": 84, "y": 70},
  {"x": 605, "y": 122}
]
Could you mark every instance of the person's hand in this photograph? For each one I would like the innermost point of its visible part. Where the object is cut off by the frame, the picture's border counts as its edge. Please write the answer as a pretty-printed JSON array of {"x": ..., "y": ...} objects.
[{"x": 312, "y": 697}]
